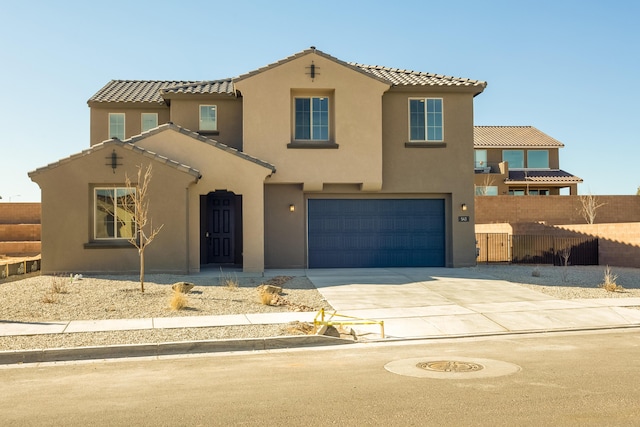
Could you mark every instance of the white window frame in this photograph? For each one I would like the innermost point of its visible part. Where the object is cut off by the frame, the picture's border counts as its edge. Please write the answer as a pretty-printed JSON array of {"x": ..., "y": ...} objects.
[
  {"x": 142, "y": 117},
  {"x": 215, "y": 122},
  {"x": 117, "y": 236},
  {"x": 120, "y": 136},
  {"x": 311, "y": 123},
  {"x": 426, "y": 119}
]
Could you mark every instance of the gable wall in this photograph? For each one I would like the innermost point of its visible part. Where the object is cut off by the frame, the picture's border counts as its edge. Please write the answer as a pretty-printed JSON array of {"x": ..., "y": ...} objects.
[
  {"x": 67, "y": 212},
  {"x": 185, "y": 112},
  {"x": 355, "y": 104}
]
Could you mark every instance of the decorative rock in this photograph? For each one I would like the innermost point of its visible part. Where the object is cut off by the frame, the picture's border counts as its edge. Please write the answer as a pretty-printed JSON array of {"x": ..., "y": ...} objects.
[
  {"x": 270, "y": 289},
  {"x": 183, "y": 287}
]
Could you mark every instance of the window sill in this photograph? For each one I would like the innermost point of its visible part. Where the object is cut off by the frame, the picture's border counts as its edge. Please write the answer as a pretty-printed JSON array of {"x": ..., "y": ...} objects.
[
  {"x": 425, "y": 144},
  {"x": 312, "y": 144},
  {"x": 115, "y": 244}
]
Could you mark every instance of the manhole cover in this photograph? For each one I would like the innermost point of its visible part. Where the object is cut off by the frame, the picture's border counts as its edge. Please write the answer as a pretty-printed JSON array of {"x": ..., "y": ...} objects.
[
  {"x": 458, "y": 368},
  {"x": 450, "y": 366}
]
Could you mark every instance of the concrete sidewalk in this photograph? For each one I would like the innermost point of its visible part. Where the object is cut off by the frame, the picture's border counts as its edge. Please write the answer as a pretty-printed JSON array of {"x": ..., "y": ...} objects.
[{"x": 412, "y": 302}]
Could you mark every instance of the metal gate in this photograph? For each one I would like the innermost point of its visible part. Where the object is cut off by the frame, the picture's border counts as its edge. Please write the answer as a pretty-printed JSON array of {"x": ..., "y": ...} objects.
[{"x": 537, "y": 249}]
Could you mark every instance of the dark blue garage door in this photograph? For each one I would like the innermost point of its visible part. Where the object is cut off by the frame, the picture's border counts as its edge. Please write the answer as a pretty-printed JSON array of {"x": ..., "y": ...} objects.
[{"x": 376, "y": 233}]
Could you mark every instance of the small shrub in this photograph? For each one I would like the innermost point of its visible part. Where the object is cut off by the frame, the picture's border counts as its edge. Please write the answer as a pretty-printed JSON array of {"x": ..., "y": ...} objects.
[
  {"x": 229, "y": 282},
  {"x": 266, "y": 298},
  {"x": 58, "y": 285},
  {"x": 609, "y": 283},
  {"x": 50, "y": 298},
  {"x": 178, "y": 301}
]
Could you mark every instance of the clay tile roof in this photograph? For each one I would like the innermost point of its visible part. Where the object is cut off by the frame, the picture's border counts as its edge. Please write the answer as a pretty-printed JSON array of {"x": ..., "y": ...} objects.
[
  {"x": 392, "y": 76},
  {"x": 400, "y": 77},
  {"x": 124, "y": 144},
  {"x": 152, "y": 90},
  {"x": 512, "y": 137},
  {"x": 551, "y": 176},
  {"x": 206, "y": 87}
]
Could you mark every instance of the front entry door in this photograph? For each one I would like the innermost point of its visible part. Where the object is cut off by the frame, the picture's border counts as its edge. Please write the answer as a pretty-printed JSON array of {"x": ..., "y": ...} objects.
[{"x": 219, "y": 229}]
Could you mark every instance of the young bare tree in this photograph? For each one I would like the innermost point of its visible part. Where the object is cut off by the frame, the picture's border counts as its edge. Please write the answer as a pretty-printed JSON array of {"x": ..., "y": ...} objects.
[
  {"x": 482, "y": 190},
  {"x": 590, "y": 206},
  {"x": 137, "y": 207}
]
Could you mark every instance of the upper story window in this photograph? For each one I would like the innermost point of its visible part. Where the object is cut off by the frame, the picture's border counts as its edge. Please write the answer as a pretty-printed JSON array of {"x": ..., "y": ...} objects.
[
  {"x": 514, "y": 157},
  {"x": 149, "y": 121},
  {"x": 538, "y": 159},
  {"x": 425, "y": 119},
  {"x": 312, "y": 118},
  {"x": 114, "y": 212},
  {"x": 116, "y": 125},
  {"x": 208, "y": 117},
  {"x": 480, "y": 158}
]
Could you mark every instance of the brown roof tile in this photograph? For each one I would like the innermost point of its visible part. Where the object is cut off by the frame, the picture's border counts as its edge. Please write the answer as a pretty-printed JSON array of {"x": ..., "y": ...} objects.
[
  {"x": 124, "y": 144},
  {"x": 400, "y": 77},
  {"x": 152, "y": 90},
  {"x": 512, "y": 137},
  {"x": 551, "y": 176}
]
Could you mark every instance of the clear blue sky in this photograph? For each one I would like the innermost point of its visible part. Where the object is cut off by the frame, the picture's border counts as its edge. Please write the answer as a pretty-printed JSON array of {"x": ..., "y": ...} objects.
[{"x": 569, "y": 68}]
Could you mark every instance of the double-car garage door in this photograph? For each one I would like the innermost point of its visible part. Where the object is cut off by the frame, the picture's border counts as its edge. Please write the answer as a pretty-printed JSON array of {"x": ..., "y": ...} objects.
[{"x": 359, "y": 233}]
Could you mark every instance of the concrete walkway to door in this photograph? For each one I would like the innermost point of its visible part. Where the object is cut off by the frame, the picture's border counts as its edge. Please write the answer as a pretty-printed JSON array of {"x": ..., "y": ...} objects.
[{"x": 439, "y": 302}]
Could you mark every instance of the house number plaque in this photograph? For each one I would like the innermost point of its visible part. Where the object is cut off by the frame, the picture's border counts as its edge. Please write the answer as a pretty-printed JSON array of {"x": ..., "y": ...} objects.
[{"x": 463, "y": 218}]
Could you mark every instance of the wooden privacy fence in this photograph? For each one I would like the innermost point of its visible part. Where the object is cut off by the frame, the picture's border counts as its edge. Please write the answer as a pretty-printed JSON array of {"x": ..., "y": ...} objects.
[{"x": 536, "y": 249}]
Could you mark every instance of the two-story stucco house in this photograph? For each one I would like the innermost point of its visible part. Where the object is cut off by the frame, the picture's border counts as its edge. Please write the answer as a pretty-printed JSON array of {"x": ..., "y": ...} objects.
[
  {"x": 308, "y": 162},
  {"x": 519, "y": 160}
]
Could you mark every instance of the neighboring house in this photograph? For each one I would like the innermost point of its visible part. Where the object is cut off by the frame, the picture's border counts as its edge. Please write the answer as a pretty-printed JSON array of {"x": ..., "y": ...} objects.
[
  {"x": 308, "y": 162},
  {"x": 518, "y": 160}
]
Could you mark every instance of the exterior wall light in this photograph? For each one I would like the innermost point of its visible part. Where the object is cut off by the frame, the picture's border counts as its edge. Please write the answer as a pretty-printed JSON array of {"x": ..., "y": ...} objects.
[
  {"x": 292, "y": 208},
  {"x": 463, "y": 206}
]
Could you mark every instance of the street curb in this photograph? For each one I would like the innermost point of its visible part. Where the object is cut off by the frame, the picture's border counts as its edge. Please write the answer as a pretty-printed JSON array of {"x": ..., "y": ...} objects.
[{"x": 165, "y": 349}]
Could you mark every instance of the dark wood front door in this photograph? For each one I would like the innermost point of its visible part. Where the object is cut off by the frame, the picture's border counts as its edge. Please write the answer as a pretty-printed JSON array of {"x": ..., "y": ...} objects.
[{"x": 218, "y": 223}]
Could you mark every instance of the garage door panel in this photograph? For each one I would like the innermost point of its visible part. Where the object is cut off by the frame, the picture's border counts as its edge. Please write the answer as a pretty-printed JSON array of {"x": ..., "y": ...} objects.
[{"x": 376, "y": 233}]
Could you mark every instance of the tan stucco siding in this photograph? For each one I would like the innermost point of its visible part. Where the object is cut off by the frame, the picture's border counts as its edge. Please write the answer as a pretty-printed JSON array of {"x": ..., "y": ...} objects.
[
  {"x": 285, "y": 231},
  {"x": 221, "y": 170},
  {"x": 99, "y": 130},
  {"x": 185, "y": 112},
  {"x": 355, "y": 106},
  {"x": 67, "y": 215},
  {"x": 443, "y": 169}
]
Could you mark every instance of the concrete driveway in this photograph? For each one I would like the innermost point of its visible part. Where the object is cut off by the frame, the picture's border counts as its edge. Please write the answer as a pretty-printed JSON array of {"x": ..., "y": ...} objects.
[{"x": 435, "y": 302}]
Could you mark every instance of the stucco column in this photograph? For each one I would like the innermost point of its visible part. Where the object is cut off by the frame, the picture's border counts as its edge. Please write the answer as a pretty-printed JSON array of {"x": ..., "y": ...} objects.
[{"x": 253, "y": 229}]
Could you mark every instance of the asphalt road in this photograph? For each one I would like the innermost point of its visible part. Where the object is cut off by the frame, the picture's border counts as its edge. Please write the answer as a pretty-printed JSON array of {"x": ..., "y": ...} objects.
[{"x": 553, "y": 379}]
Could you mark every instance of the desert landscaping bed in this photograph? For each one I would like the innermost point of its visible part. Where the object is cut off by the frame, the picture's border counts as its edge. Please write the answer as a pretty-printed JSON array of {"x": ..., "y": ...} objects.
[
  {"x": 63, "y": 298},
  {"x": 50, "y": 298}
]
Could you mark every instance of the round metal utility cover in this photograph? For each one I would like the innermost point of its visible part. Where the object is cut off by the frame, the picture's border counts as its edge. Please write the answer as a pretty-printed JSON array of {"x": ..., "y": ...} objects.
[
  {"x": 459, "y": 368},
  {"x": 450, "y": 366}
]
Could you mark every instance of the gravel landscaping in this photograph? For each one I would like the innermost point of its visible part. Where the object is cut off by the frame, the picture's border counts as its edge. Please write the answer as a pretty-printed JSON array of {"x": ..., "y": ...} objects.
[
  {"x": 52, "y": 298},
  {"x": 48, "y": 299}
]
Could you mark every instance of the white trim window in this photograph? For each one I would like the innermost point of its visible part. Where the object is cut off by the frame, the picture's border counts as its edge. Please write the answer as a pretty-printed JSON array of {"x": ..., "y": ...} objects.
[
  {"x": 116, "y": 125},
  {"x": 113, "y": 213},
  {"x": 208, "y": 117},
  {"x": 426, "y": 120},
  {"x": 311, "y": 118},
  {"x": 149, "y": 121}
]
